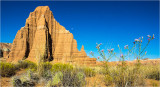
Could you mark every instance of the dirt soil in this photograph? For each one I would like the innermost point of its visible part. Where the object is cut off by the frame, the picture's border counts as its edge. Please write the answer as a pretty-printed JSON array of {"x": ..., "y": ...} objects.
[{"x": 6, "y": 81}]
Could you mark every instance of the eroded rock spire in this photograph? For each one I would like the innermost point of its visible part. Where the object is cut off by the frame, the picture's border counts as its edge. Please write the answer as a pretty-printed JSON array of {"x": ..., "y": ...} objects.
[{"x": 43, "y": 37}]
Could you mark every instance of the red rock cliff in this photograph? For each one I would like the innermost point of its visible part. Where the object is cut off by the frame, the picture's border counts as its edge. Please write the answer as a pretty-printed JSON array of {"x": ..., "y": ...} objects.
[{"x": 43, "y": 37}]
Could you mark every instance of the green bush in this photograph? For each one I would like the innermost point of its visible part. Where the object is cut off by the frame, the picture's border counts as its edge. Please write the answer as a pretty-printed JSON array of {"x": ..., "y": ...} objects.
[
  {"x": 26, "y": 64},
  {"x": 71, "y": 76},
  {"x": 7, "y": 69},
  {"x": 47, "y": 65},
  {"x": 108, "y": 80},
  {"x": 61, "y": 67},
  {"x": 88, "y": 72},
  {"x": 45, "y": 70},
  {"x": 56, "y": 80},
  {"x": 29, "y": 79}
]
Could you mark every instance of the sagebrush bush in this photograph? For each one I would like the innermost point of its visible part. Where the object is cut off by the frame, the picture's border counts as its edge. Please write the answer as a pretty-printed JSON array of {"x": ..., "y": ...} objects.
[
  {"x": 70, "y": 76},
  {"x": 26, "y": 64},
  {"x": 56, "y": 80},
  {"x": 73, "y": 78},
  {"x": 45, "y": 70},
  {"x": 28, "y": 79},
  {"x": 7, "y": 69},
  {"x": 60, "y": 74},
  {"x": 88, "y": 72},
  {"x": 16, "y": 82},
  {"x": 61, "y": 67},
  {"x": 47, "y": 65}
]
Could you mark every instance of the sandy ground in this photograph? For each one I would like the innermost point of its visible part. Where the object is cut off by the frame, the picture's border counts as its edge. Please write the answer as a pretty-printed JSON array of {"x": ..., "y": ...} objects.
[{"x": 6, "y": 81}]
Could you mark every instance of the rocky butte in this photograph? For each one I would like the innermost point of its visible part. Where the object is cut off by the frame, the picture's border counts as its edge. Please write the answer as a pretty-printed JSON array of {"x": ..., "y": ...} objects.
[
  {"x": 5, "y": 49},
  {"x": 43, "y": 37}
]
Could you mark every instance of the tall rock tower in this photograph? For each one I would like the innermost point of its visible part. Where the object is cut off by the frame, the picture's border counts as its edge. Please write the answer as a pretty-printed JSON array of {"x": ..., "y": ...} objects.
[{"x": 43, "y": 37}]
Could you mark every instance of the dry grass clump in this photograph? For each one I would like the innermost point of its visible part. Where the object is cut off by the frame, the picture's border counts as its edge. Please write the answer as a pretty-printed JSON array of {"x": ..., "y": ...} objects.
[
  {"x": 152, "y": 71},
  {"x": 127, "y": 76},
  {"x": 89, "y": 72},
  {"x": 23, "y": 64},
  {"x": 61, "y": 67},
  {"x": 44, "y": 70},
  {"x": 7, "y": 69}
]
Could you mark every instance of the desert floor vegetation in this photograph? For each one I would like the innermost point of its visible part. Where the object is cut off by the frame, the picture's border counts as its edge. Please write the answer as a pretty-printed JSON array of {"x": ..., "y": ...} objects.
[
  {"x": 121, "y": 74},
  {"x": 60, "y": 74}
]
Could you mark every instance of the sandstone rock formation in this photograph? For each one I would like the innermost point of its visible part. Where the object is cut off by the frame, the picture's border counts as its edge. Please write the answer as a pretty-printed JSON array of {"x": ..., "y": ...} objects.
[
  {"x": 5, "y": 49},
  {"x": 5, "y": 45},
  {"x": 43, "y": 37}
]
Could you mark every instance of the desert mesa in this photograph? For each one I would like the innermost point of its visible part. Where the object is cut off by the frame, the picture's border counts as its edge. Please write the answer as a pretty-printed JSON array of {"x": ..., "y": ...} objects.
[{"x": 43, "y": 37}]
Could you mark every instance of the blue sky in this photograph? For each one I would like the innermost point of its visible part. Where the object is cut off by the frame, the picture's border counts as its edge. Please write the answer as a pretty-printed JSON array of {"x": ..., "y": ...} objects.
[{"x": 110, "y": 23}]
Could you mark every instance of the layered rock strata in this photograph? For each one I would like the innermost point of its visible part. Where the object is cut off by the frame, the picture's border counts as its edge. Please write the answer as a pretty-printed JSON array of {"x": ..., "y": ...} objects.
[{"x": 43, "y": 37}]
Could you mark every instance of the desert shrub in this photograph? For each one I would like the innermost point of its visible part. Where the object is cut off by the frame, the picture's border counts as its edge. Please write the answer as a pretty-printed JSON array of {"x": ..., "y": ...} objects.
[
  {"x": 104, "y": 70},
  {"x": 7, "y": 69},
  {"x": 61, "y": 67},
  {"x": 127, "y": 76},
  {"x": 154, "y": 83},
  {"x": 154, "y": 75},
  {"x": 108, "y": 80},
  {"x": 136, "y": 76},
  {"x": 56, "y": 81},
  {"x": 46, "y": 70},
  {"x": 26, "y": 80},
  {"x": 26, "y": 64},
  {"x": 88, "y": 72},
  {"x": 47, "y": 66},
  {"x": 47, "y": 75},
  {"x": 153, "y": 72},
  {"x": 16, "y": 82},
  {"x": 70, "y": 76},
  {"x": 57, "y": 78},
  {"x": 74, "y": 79}
]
